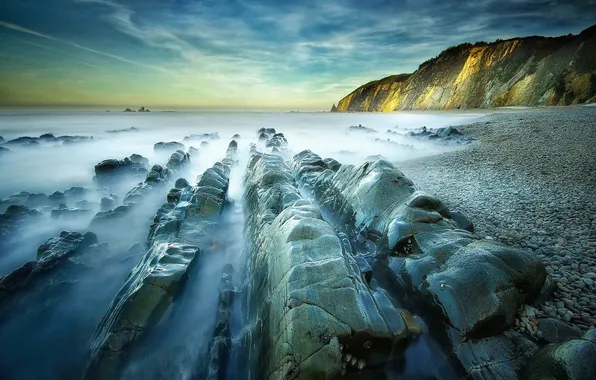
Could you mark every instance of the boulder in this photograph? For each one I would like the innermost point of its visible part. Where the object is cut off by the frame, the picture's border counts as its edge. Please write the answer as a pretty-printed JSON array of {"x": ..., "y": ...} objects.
[
  {"x": 178, "y": 160},
  {"x": 571, "y": 360},
  {"x": 557, "y": 331}
]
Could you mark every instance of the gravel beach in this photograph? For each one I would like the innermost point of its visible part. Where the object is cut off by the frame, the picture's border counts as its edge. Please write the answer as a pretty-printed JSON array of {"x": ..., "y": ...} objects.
[{"x": 529, "y": 180}]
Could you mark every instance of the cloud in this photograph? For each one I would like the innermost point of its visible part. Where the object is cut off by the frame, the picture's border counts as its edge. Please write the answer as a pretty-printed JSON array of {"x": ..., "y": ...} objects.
[{"x": 48, "y": 37}]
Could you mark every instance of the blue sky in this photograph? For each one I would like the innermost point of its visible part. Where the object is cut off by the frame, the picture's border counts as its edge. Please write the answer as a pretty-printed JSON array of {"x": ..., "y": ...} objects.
[{"x": 240, "y": 53}]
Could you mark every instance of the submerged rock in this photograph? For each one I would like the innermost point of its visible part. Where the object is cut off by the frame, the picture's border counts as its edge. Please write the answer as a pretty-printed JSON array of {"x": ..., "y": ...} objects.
[{"x": 446, "y": 135}]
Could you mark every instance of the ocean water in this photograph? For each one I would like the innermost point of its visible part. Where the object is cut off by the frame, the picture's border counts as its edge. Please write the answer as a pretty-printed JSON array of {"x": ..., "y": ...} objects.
[{"x": 56, "y": 168}]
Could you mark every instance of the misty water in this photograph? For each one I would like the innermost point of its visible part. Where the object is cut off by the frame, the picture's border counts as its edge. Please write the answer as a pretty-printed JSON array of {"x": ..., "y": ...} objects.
[{"x": 56, "y": 345}]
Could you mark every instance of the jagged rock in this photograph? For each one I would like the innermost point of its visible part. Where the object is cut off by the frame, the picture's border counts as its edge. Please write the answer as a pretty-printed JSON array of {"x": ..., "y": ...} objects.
[
  {"x": 37, "y": 200},
  {"x": 76, "y": 193},
  {"x": 277, "y": 141},
  {"x": 109, "y": 172},
  {"x": 307, "y": 294},
  {"x": 202, "y": 136},
  {"x": 500, "y": 357},
  {"x": 475, "y": 285},
  {"x": 171, "y": 146},
  {"x": 131, "y": 129},
  {"x": 263, "y": 137},
  {"x": 14, "y": 219},
  {"x": 361, "y": 128},
  {"x": 572, "y": 360},
  {"x": 180, "y": 228},
  {"x": 178, "y": 160},
  {"x": 50, "y": 255},
  {"x": 57, "y": 197},
  {"x": 446, "y": 135}
]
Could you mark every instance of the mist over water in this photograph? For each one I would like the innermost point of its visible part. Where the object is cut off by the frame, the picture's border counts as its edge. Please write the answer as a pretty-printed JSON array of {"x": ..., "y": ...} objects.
[{"x": 177, "y": 347}]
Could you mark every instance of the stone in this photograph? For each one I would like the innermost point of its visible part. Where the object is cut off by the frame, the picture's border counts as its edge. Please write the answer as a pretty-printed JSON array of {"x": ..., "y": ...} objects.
[{"x": 555, "y": 331}]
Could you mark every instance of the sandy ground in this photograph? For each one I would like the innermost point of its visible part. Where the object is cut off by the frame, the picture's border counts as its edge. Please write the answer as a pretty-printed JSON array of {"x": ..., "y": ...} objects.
[{"x": 529, "y": 181}]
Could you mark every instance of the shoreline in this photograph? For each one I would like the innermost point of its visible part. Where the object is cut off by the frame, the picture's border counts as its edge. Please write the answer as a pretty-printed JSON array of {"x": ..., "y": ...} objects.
[{"x": 528, "y": 182}]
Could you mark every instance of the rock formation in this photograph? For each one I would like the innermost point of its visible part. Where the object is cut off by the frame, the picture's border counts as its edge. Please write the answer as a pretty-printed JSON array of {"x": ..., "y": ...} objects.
[
  {"x": 316, "y": 316},
  {"x": 476, "y": 286},
  {"x": 527, "y": 71},
  {"x": 181, "y": 227}
]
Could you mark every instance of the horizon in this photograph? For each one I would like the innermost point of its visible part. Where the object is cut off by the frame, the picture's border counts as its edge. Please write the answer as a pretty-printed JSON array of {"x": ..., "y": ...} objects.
[{"x": 244, "y": 56}]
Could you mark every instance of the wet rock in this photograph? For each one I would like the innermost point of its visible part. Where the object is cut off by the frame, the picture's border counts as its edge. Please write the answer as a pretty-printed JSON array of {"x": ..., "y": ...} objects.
[
  {"x": 556, "y": 331},
  {"x": 178, "y": 231},
  {"x": 194, "y": 152},
  {"x": 446, "y": 136},
  {"x": 303, "y": 282},
  {"x": 109, "y": 202},
  {"x": 109, "y": 172},
  {"x": 178, "y": 160},
  {"x": 573, "y": 359},
  {"x": 219, "y": 347},
  {"x": 500, "y": 357},
  {"x": 168, "y": 147},
  {"x": 475, "y": 285},
  {"x": 51, "y": 255},
  {"x": 462, "y": 220}
]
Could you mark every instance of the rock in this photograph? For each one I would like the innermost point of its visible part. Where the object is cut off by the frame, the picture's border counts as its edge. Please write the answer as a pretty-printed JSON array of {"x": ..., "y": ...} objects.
[
  {"x": 128, "y": 110},
  {"x": 203, "y": 136},
  {"x": 178, "y": 160},
  {"x": 168, "y": 147},
  {"x": 555, "y": 331},
  {"x": 131, "y": 129},
  {"x": 51, "y": 256},
  {"x": 462, "y": 220},
  {"x": 15, "y": 219},
  {"x": 108, "y": 203},
  {"x": 570, "y": 360},
  {"x": 303, "y": 281},
  {"x": 4, "y": 150},
  {"x": 110, "y": 172},
  {"x": 269, "y": 131},
  {"x": 143, "y": 109},
  {"x": 475, "y": 285},
  {"x": 361, "y": 128},
  {"x": 154, "y": 284}
]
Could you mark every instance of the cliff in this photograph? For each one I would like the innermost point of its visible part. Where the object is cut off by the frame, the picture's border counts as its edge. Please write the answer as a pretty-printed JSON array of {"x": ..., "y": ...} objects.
[{"x": 527, "y": 71}]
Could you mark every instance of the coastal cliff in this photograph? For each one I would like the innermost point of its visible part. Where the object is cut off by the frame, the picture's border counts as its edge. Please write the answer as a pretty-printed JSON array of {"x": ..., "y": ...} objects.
[{"x": 527, "y": 71}]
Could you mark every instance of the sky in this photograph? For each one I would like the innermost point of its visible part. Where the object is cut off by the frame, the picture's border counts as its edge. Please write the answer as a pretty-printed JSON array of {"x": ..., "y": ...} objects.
[{"x": 278, "y": 54}]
